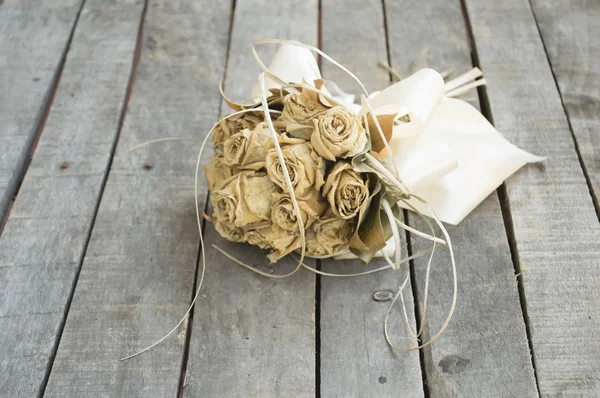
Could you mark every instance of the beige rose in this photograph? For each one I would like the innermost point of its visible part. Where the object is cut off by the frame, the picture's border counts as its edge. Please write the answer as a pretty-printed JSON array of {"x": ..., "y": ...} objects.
[
  {"x": 261, "y": 237},
  {"x": 216, "y": 171},
  {"x": 328, "y": 235},
  {"x": 225, "y": 200},
  {"x": 246, "y": 149},
  {"x": 284, "y": 215},
  {"x": 244, "y": 199},
  {"x": 331, "y": 233},
  {"x": 282, "y": 243},
  {"x": 230, "y": 232},
  {"x": 257, "y": 189},
  {"x": 346, "y": 190},
  {"x": 338, "y": 133},
  {"x": 305, "y": 167},
  {"x": 313, "y": 246},
  {"x": 230, "y": 126},
  {"x": 299, "y": 110}
]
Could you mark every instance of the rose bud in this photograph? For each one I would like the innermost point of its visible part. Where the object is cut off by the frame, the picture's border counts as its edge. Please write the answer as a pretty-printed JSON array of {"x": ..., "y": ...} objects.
[
  {"x": 299, "y": 110},
  {"x": 246, "y": 149},
  {"x": 330, "y": 234},
  {"x": 338, "y": 133},
  {"x": 244, "y": 199},
  {"x": 346, "y": 190},
  {"x": 305, "y": 167},
  {"x": 230, "y": 126},
  {"x": 284, "y": 215}
]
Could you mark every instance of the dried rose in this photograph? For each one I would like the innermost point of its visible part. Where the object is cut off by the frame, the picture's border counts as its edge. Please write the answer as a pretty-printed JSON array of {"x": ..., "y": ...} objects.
[
  {"x": 313, "y": 246},
  {"x": 229, "y": 231},
  {"x": 257, "y": 189},
  {"x": 330, "y": 233},
  {"x": 346, "y": 190},
  {"x": 327, "y": 235},
  {"x": 338, "y": 133},
  {"x": 246, "y": 149},
  {"x": 217, "y": 171},
  {"x": 225, "y": 200},
  {"x": 230, "y": 126},
  {"x": 299, "y": 110},
  {"x": 305, "y": 167},
  {"x": 244, "y": 199},
  {"x": 260, "y": 237},
  {"x": 284, "y": 215},
  {"x": 283, "y": 243}
]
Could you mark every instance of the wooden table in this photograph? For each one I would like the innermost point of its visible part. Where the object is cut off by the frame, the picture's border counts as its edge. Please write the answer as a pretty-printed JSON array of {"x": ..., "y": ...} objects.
[{"x": 99, "y": 248}]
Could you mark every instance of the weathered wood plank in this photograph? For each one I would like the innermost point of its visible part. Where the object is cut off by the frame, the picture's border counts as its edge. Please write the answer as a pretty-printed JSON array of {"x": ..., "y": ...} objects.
[
  {"x": 138, "y": 272},
  {"x": 484, "y": 350},
  {"x": 555, "y": 225},
  {"x": 570, "y": 32},
  {"x": 254, "y": 336},
  {"x": 47, "y": 231},
  {"x": 33, "y": 40},
  {"x": 355, "y": 358}
]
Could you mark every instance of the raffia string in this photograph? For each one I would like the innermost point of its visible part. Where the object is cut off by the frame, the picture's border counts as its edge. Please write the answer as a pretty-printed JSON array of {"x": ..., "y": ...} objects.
[
  {"x": 453, "y": 88},
  {"x": 455, "y": 83},
  {"x": 199, "y": 222}
]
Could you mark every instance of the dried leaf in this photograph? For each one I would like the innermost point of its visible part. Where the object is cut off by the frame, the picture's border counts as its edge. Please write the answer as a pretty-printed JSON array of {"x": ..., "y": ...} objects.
[
  {"x": 373, "y": 230},
  {"x": 386, "y": 122}
]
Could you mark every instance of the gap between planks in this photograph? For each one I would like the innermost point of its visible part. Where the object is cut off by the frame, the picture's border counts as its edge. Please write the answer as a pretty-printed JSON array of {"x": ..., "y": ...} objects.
[
  {"x": 588, "y": 181},
  {"x": 425, "y": 354},
  {"x": 190, "y": 322},
  {"x": 503, "y": 198},
  {"x": 318, "y": 332},
  {"x": 135, "y": 63},
  {"x": 41, "y": 122},
  {"x": 318, "y": 262}
]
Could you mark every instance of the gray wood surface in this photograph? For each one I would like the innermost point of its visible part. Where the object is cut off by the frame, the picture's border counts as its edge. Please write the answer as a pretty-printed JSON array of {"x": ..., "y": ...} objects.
[
  {"x": 467, "y": 360},
  {"x": 253, "y": 336},
  {"x": 137, "y": 276},
  {"x": 355, "y": 358},
  {"x": 33, "y": 40},
  {"x": 47, "y": 231},
  {"x": 98, "y": 254},
  {"x": 570, "y": 31},
  {"x": 555, "y": 225}
]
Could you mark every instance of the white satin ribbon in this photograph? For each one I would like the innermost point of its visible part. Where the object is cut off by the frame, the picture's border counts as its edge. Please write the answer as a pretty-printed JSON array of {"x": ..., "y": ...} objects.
[{"x": 483, "y": 159}]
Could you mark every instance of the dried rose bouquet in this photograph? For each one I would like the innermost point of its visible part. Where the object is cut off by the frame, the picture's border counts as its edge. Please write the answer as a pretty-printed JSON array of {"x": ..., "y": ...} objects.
[{"x": 305, "y": 169}]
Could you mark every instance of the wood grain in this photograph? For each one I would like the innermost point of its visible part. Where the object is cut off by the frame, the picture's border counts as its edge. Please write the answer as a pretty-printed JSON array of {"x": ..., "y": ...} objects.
[
  {"x": 47, "y": 231},
  {"x": 137, "y": 276},
  {"x": 33, "y": 42},
  {"x": 555, "y": 225},
  {"x": 254, "y": 336},
  {"x": 484, "y": 350},
  {"x": 355, "y": 358},
  {"x": 569, "y": 32}
]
